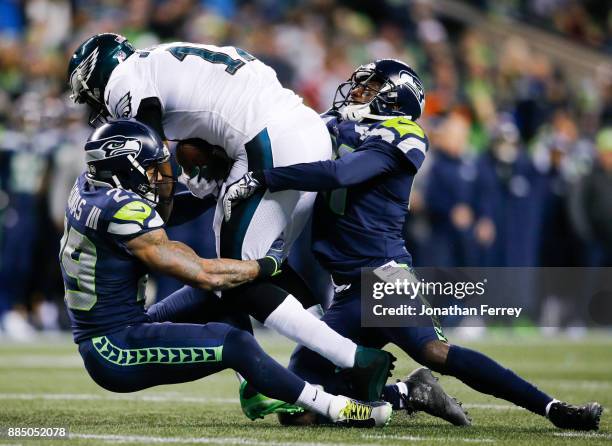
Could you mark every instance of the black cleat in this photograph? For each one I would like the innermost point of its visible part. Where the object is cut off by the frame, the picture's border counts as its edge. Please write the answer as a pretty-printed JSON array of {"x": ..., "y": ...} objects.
[
  {"x": 369, "y": 375},
  {"x": 581, "y": 418},
  {"x": 426, "y": 394}
]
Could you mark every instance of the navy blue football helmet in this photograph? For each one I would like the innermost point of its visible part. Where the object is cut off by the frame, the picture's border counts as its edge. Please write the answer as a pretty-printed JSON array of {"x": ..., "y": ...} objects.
[
  {"x": 396, "y": 91},
  {"x": 90, "y": 69},
  {"x": 119, "y": 153}
]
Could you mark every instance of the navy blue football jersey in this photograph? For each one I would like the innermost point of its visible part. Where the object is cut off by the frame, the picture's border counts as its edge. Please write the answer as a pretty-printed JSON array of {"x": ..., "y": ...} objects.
[
  {"x": 359, "y": 219},
  {"x": 104, "y": 283}
]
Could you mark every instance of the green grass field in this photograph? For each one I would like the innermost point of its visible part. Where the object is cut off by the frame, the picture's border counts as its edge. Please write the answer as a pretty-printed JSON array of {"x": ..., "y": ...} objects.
[{"x": 44, "y": 384}]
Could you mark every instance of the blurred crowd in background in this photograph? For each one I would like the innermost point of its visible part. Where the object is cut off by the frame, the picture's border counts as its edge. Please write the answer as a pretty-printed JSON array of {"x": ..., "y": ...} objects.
[{"x": 520, "y": 165}]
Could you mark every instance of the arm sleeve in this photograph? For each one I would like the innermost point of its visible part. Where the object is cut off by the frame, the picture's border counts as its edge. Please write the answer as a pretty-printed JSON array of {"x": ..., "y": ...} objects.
[{"x": 351, "y": 169}]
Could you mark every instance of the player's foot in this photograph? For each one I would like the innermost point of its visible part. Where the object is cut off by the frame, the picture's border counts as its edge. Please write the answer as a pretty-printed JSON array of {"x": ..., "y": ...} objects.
[
  {"x": 425, "y": 393},
  {"x": 369, "y": 375},
  {"x": 583, "y": 418},
  {"x": 255, "y": 405},
  {"x": 348, "y": 412}
]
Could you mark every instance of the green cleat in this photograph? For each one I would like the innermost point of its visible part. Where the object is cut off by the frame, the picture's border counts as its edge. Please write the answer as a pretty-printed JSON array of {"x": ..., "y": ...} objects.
[
  {"x": 256, "y": 405},
  {"x": 369, "y": 375}
]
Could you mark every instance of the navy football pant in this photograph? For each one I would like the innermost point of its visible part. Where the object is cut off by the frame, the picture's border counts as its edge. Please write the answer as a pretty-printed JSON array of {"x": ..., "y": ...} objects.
[
  {"x": 152, "y": 354},
  {"x": 344, "y": 317},
  {"x": 196, "y": 306}
]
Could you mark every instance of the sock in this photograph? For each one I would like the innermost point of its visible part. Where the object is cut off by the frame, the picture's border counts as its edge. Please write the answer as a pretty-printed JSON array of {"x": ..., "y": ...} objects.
[
  {"x": 316, "y": 311},
  {"x": 315, "y": 399},
  {"x": 550, "y": 404},
  {"x": 292, "y": 321},
  {"x": 483, "y": 374},
  {"x": 393, "y": 394}
]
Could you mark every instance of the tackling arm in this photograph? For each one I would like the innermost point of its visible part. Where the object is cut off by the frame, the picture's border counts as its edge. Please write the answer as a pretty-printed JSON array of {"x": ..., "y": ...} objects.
[
  {"x": 178, "y": 260},
  {"x": 353, "y": 168}
]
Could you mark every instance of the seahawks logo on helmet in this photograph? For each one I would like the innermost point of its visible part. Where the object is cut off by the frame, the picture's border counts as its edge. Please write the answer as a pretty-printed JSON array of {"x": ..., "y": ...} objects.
[
  {"x": 405, "y": 78},
  {"x": 114, "y": 146}
]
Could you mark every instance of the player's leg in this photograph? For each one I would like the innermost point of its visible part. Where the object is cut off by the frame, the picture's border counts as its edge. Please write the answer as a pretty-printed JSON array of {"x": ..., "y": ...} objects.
[
  {"x": 197, "y": 306},
  {"x": 487, "y": 376},
  {"x": 290, "y": 281},
  {"x": 147, "y": 355},
  {"x": 422, "y": 391}
]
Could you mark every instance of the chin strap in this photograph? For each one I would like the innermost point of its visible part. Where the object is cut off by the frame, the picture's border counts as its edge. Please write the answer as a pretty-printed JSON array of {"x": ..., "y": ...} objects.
[
  {"x": 359, "y": 112},
  {"x": 355, "y": 112}
]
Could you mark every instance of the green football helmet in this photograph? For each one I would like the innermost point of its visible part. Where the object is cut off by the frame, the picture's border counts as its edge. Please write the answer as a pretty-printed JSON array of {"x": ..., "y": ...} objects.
[{"x": 90, "y": 68}]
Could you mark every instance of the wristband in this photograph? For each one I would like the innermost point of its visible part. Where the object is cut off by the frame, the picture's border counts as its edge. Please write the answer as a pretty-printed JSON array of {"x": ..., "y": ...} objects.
[{"x": 268, "y": 267}]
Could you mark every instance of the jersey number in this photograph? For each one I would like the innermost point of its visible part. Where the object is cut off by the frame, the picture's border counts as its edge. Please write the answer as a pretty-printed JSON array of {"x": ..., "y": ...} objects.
[
  {"x": 78, "y": 258},
  {"x": 231, "y": 65}
]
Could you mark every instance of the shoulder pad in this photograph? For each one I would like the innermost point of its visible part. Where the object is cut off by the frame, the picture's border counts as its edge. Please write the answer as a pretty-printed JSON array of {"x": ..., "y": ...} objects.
[
  {"x": 404, "y": 127},
  {"x": 403, "y": 134},
  {"x": 133, "y": 216}
]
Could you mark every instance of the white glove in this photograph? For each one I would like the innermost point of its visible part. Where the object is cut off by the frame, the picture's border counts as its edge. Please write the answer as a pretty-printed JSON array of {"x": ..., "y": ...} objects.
[
  {"x": 238, "y": 191},
  {"x": 200, "y": 187}
]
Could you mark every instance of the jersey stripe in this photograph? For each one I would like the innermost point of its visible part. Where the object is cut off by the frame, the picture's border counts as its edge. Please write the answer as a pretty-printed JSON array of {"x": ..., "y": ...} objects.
[
  {"x": 124, "y": 228},
  {"x": 412, "y": 143},
  {"x": 92, "y": 218}
]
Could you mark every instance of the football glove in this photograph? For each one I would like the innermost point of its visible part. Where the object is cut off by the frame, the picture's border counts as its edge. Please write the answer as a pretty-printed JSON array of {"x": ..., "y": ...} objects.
[
  {"x": 238, "y": 191},
  {"x": 200, "y": 186}
]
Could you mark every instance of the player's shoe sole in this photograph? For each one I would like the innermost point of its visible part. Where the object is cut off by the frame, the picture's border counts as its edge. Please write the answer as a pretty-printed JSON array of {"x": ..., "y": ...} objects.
[
  {"x": 583, "y": 418},
  {"x": 369, "y": 375},
  {"x": 426, "y": 394},
  {"x": 352, "y": 413},
  {"x": 258, "y": 405}
]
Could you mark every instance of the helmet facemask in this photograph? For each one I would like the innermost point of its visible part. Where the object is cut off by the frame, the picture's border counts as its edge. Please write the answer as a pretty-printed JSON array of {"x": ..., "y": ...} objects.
[
  {"x": 361, "y": 78},
  {"x": 380, "y": 92},
  {"x": 161, "y": 183},
  {"x": 154, "y": 183}
]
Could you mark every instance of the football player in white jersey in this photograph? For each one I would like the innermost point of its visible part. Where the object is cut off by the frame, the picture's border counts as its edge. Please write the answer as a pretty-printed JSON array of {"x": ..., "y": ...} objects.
[{"x": 228, "y": 98}]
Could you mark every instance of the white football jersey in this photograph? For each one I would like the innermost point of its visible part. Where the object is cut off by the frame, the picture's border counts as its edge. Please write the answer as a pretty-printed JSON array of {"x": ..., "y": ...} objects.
[{"x": 220, "y": 94}]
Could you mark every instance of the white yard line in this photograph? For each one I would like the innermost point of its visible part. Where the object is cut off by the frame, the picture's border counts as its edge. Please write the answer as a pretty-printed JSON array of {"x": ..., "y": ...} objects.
[
  {"x": 417, "y": 438},
  {"x": 120, "y": 396},
  {"x": 114, "y": 439},
  {"x": 492, "y": 406},
  {"x": 585, "y": 435}
]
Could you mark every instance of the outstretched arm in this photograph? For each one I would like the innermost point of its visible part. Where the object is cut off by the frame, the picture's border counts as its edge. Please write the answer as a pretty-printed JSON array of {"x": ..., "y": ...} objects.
[
  {"x": 353, "y": 168},
  {"x": 178, "y": 260}
]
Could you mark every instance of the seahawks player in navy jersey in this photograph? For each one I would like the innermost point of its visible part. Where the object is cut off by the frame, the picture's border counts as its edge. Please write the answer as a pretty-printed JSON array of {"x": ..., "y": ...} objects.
[
  {"x": 114, "y": 233},
  {"x": 358, "y": 224}
]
